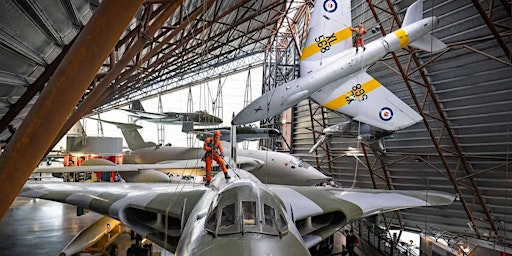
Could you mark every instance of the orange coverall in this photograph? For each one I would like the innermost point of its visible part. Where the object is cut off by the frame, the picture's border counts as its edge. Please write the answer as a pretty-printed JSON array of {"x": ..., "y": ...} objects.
[
  {"x": 213, "y": 148},
  {"x": 359, "y": 32}
]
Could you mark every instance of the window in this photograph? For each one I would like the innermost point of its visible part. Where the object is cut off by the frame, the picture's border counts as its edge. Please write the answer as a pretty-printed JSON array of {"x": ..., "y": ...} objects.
[
  {"x": 282, "y": 222},
  {"x": 299, "y": 162},
  {"x": 269, "y": 215},
  {"x": 212, "y": 221},
  {"x": 249, "y": 212},
  {"x": 228, "y": 216}
]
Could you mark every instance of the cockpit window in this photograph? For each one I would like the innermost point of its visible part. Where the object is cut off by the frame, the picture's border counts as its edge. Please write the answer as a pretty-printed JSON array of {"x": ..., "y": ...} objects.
[
  {"x": 269, "y": 215},
  {"x": 282, "y": 222},
  {"x": 249, "y": 212},
  {"x": 212, "y": 221},
  {"x": 243, "y": 209},
  {"x": 299, "y": 162},
  {"x": 228, "y": 216}
]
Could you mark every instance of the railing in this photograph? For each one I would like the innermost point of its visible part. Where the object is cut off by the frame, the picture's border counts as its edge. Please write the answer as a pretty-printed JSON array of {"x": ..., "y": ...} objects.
[{"x": 380, "y": 240}]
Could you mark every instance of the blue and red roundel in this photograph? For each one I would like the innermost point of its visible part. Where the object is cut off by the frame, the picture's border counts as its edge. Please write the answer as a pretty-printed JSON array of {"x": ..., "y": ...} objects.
[
  {"x": 386, "y": 114},
  {"x": 330, "y": 5}
]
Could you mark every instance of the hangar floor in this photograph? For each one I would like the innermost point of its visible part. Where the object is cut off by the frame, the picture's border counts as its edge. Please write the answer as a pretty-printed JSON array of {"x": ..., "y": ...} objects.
[{"x": 40, "y": 227}]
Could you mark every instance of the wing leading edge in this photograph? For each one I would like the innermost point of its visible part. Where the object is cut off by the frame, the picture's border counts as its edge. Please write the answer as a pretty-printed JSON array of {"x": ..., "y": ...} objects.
[
  {"x": 320, "y": 212},
  {"x": 363, "y": 97},
  {"x": 143, "y": 207}
]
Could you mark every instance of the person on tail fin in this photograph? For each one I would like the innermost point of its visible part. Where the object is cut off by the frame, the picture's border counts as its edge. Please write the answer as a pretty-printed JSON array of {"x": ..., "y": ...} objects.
[
  {"x": 358, "y": 37},
  {"x": 214, "y": 151}
]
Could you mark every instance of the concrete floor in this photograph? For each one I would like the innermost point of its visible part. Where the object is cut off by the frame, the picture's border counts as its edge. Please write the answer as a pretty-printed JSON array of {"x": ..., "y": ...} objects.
[{"x": 40, "y": 227}]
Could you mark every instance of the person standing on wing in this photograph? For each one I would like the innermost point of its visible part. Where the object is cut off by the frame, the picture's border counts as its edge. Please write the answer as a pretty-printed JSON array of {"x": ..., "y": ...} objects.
[{"x": 214, "y": 150}]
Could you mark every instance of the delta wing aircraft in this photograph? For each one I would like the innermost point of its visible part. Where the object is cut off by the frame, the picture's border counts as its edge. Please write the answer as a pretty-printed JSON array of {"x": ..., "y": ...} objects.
[
  {"x": 335, "y": 75},
  {"x": 238, "y": 217},
  {"x": 200, "y": 118},
  {"x": 147, "y": 161}
]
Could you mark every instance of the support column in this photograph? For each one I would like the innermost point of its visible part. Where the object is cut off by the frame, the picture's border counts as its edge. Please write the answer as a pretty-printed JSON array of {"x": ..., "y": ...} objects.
[{"x": 60, "y": 96}]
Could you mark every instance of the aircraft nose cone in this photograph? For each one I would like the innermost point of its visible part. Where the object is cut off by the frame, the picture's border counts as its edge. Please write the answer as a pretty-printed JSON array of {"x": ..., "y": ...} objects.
[
  {"x": 315, "y": 176},
  {"x": 273, "y": 133},
  {"x": 435, "y": 21},
  {"x": 255, "y": 111}
]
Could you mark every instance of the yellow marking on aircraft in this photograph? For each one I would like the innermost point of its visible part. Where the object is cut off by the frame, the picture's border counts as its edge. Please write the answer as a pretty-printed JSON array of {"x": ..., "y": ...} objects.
[
  {"x": 312, "y": 49},
  {"x": 341, "y": 101},
  {"x": 403, "y": 37}
]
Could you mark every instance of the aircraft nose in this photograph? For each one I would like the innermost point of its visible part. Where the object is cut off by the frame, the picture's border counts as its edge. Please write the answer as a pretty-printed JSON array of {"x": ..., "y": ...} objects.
[
  {"x": 273, "y": 133},
  {"x": 435, "y": 21},
  {"x": 254, "y": 245},
  {"x": 315, "y": 176}
]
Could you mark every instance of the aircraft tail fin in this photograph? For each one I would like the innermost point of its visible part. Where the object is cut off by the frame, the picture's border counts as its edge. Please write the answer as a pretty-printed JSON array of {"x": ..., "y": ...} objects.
[
  {"x": 428, "y": 42},
  {"x": 188, "y": 126},
  {"x": 328, "y": 35},
  {"x": 130, "y": 134},
  {"x": 414, "y": 13},
  {"x": 77, "y": 130},
  {"x": 136, "y": 105}
]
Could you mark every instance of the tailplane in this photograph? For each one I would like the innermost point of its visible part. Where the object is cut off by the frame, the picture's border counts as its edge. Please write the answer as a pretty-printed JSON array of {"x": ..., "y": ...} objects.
[
  {"x": 428, "y": 42},
  {"x": 328, "y": 35},
  {"x": 130, "y": 134}
]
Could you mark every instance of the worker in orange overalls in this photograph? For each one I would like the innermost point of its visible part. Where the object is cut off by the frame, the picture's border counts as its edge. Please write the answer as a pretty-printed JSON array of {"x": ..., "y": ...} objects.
[
  {"x": 359, "y": 32},
  {"x": 214, "y": 150}
]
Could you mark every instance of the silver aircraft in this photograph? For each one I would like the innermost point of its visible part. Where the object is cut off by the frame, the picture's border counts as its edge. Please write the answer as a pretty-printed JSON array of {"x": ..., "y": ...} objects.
[
  {"x": 241, "y": 216},
  {"x": 367, "y": 134},
  {"x": 200, "y": 118},
  {"x": 335, "y": 75},
  {"x": 147, "y": 161},
  {"x": 243, "y": 133}
]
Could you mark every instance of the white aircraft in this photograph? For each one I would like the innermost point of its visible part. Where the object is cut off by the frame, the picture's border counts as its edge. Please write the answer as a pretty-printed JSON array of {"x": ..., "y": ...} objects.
[
  {"x": 241, "y": 216},
  {"x": 147, "y": 161},
  {"x": 334, "y": 74}
]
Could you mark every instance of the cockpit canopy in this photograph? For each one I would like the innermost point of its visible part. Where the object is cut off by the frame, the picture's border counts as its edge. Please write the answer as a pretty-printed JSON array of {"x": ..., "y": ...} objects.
[
  {"x": 299, "y": 162},
  {"x": 242, "y": 208}
]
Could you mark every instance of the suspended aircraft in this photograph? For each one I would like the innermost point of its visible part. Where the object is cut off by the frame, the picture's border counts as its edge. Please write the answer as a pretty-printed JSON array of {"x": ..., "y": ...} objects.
[
  {"x": 352, "y": 129},
  {"x": 241, "y": 216},
  {"x": 335, "y": 75},
  {"x": 200, "y": 118},
  {"x": 147, "y": 161},
  {"x": 243, "y": 133}
]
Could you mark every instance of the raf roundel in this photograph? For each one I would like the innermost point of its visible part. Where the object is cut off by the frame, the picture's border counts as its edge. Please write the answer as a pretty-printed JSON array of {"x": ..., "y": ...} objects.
[
  {"x": 330, "y": 5},
  {"x": 386, "y": 114}
]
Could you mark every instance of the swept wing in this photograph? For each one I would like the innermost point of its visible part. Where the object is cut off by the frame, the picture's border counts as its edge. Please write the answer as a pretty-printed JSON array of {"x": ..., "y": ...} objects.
[{"x": 162, "y": 212}]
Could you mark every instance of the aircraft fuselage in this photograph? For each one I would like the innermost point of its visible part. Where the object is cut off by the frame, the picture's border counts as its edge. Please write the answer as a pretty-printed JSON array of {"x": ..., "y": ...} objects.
[
  {"x": 278, "y": 168},
  {"x": 267, "y": 230}
]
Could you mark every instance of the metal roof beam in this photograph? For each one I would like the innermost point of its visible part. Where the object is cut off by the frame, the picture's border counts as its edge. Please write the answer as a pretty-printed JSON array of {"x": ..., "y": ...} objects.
[{"x": 493, "y": 30}]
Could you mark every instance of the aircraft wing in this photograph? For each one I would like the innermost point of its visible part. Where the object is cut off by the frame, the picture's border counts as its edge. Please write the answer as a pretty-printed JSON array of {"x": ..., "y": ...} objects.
[
  {"x": 141, "y": 206},
  {"x": 366, "y": 100},
  {"x": 179, "y": 164},
  {"x": 329, "y": 209},
  {"x": 144, "y": 114}
]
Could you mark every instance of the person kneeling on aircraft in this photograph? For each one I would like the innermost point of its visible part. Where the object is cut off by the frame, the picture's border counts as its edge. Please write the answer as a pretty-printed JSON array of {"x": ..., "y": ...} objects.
[{"x": 214, "y": 150}]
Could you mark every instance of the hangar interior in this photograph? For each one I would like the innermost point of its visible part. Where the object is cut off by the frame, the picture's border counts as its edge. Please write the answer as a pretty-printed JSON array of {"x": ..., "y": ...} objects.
[{"x": 463, "y": 93}]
